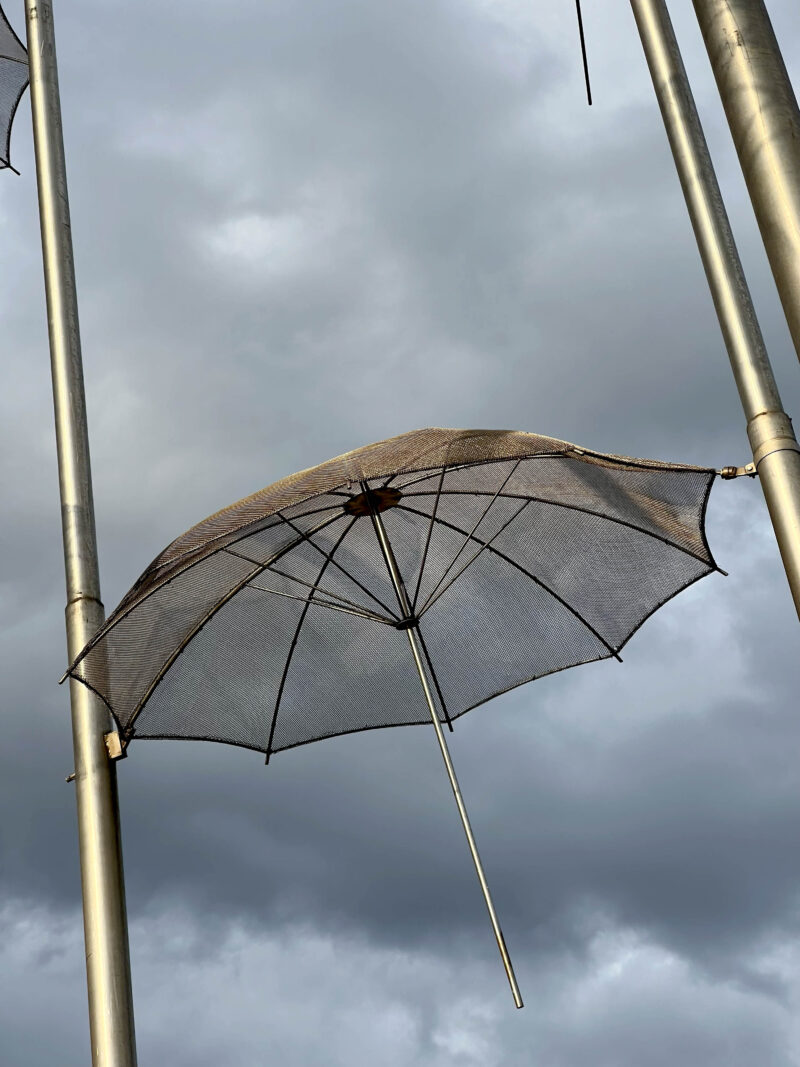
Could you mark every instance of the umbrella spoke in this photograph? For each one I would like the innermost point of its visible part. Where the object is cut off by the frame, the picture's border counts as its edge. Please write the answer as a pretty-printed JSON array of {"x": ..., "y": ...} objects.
[
  {"x": 429, "y": 661},
  {"x": 538, "y": 581},
  {"x": 567, "y": 507},
  {"x": 486, "y": 544},
  {"x": 296, "y": 638},
  {"x": 431, "y": 472},
  {"x": 426, "y": 477},
  {"x": 338, "y": 566},
  {"x": 309, "y": 585},
  {"x": 207, "y": 617},
  {"x": 323, "y": 603},
  {"x": 415, "y": 597},
  {"x": 468, "y": 536},
  {"x": 311, "y": 511}
]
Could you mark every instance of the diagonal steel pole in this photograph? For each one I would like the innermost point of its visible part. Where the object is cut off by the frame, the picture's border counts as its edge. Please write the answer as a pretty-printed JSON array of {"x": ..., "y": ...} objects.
[
  {"x": 102, "y": 884},
  {"x": 764, "y": 118},
  {"x": 417, "y": 652},
  {"x": 776, "y": 454}
]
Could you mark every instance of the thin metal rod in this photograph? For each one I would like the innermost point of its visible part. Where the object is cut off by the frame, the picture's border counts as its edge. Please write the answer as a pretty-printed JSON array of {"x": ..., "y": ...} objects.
[
  {"x": 102, "y": 882},
  {"x": 204, "y": 620},
  {"x": 368, "y": 616},
  {"x": 498, "y": 491},
  {"x": 432, "y": 672},
  {"x": 776, "y": 453},
  {"x": 424, "y": 557},
  {"x": 337, "y": 565},
  {"x": 528, "y": 574},
  {"x": 312, "y": 587},
  {"x": 583, "y": 53},
  {"x": 764, "y": 119},
  {"x": 486, "y": 544},
  {"x": 564, "y": 505},
  {"x": 413, "y": 638},
  {"x": 296, "y": 637}
]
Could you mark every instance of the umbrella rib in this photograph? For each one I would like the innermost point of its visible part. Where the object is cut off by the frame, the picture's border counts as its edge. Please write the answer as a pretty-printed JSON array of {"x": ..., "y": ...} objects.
[
  {"x": 572, "y": 507},
  {"x": 474, "y": 528},
  {"x": 114, "y": 619},
  {"x": 533, "y": 578},
  {"x": 345, "y": 572},
  {"x": 430, "y": 472},
  {"x": 299, "y": 515},
  {"x": 428, "y": 543},
  {"x": 212, "y": 611},
  {"x": 296, "y": 638},
  {"x": 317, "y": 587},
  {"x": 486, "y": 544},
  {"x": 448, "y": 720},
  {"x": 323, "y": 604}
]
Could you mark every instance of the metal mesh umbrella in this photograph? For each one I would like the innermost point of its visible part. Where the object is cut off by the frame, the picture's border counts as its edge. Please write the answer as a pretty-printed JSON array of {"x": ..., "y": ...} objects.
[
  {"x": 13, "y": 82},
  {"x": 499, "y": 556}
]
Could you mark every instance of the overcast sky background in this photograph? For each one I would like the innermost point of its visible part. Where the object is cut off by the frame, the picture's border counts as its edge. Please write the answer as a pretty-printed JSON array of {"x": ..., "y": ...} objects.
[{"x": 300, "y": 227}]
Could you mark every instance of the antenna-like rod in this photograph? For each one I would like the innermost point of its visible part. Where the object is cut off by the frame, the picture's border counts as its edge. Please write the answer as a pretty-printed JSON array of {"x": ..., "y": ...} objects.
[
  {"x": 583, "y": 53},
  {"x": 104, "y": 918}
]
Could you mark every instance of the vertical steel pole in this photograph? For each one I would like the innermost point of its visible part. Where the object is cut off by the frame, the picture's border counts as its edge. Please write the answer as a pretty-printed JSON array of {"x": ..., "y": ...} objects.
[
  {"x": 776, "y": 453},
  {"x": 405, "y": 607},
  {"x": 105, "y": 923},
  {"x": 764, "y": 118}
]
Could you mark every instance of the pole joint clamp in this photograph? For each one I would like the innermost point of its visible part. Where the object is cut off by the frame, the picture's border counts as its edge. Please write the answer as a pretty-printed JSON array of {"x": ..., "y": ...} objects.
[
  {"x": 770, "y": 432},
  {"x": 776, "y": 444}
]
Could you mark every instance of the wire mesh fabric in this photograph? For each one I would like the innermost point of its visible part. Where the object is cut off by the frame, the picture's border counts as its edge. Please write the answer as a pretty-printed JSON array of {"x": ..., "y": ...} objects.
[
  {"x": 275, "y": 623},
  {"x": 13, "y": 82}
]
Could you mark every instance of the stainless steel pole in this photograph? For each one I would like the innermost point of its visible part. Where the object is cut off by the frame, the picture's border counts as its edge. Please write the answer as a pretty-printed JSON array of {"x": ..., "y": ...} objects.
[
  {"x": 776, "y": 454},
  {"x": 405, "y": 607},
  {"x": 764, "y": 118},
  {"x": 105, "y": 924}
]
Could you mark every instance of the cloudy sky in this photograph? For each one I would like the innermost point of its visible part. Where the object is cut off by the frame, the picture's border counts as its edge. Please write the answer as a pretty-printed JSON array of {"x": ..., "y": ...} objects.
[{"x": 300, "y": 227}]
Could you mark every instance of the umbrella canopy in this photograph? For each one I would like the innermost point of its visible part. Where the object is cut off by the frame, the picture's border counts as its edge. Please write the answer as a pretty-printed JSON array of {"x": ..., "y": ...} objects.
[
  {"x": 13, "y": 82},
  {"x": 497, "y": 556},
  {"x": 274, "y": 622}
]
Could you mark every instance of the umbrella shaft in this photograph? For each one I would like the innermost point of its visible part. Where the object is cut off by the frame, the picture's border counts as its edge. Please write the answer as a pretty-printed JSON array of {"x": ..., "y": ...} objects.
[
  {"x": 462, "y": 811},
  {"x": 414, "y": 641}
]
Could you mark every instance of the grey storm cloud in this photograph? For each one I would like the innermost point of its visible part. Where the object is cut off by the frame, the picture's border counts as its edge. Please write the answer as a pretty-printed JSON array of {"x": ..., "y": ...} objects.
[{"x": 300, "y": 228}]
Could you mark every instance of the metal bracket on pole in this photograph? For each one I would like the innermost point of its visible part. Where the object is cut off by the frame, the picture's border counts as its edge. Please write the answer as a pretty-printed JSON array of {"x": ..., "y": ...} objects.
[{"x": 748, "y": 470}]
